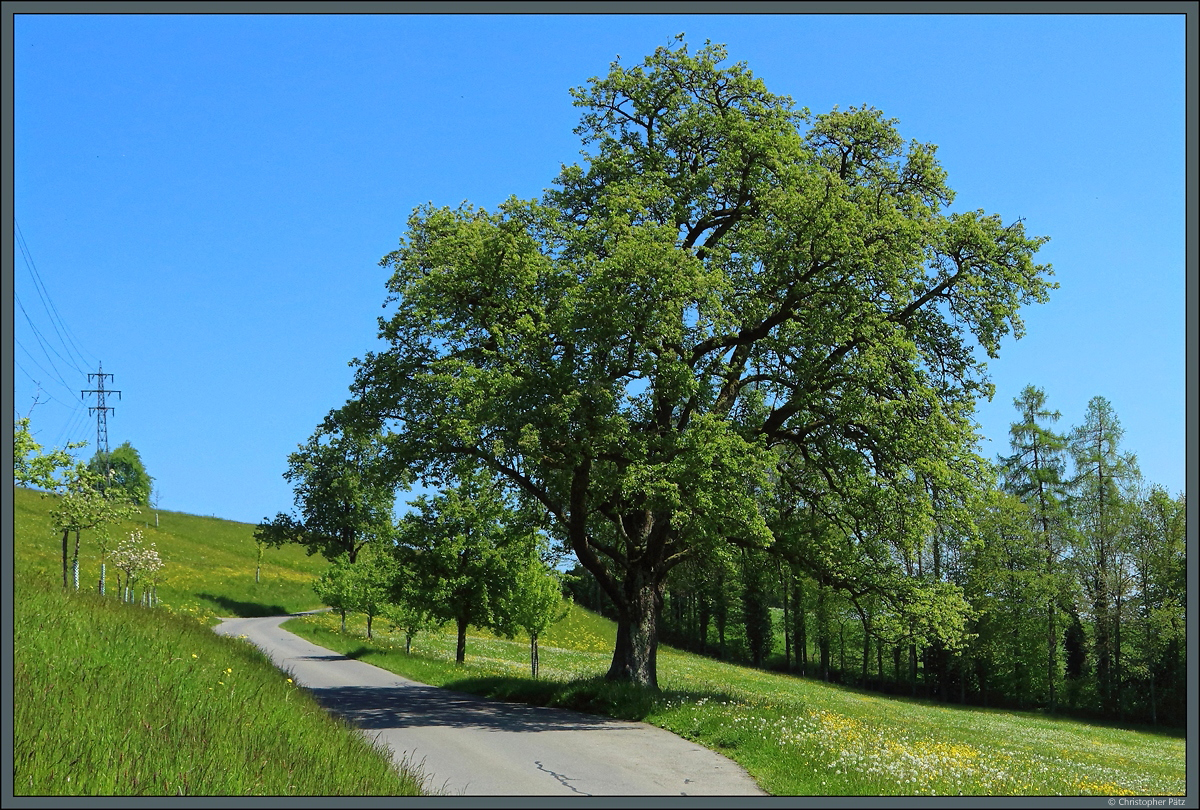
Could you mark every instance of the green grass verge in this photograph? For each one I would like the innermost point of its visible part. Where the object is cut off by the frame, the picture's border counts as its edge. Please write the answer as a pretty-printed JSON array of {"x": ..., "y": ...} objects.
[
  {"x": 119, "y": 700},
  {"x": 112, "y": 699},
  {"x": 795, "y": 736}
]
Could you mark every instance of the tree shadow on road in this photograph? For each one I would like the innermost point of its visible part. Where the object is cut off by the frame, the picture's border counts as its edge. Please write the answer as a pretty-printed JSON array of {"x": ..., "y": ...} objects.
[
  {"x": 595, "y": 695},
  {"x": 245, "y": 610},
  {"x": 414, "y": 705}
]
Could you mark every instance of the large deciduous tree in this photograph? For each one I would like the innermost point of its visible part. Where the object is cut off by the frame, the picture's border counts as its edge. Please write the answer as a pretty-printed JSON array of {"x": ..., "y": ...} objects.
[{"x": 725, "y": 275}]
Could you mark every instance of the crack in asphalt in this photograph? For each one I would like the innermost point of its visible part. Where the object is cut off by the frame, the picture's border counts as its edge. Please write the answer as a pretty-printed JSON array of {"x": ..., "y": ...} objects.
[{"x": 562, "y": 780}]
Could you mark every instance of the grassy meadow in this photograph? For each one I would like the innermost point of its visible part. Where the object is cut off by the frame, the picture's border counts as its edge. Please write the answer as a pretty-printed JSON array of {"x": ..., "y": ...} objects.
[
  {"x": 796, "y": 736},
  {"x": 112, "y": 699},
  {"x": 208, "y": 566}
]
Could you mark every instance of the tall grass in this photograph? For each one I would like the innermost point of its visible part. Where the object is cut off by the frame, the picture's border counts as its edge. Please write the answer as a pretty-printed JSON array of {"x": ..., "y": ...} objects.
[
  {"x": 795, "y": 736},
  {"x": 116, "y": 699}
]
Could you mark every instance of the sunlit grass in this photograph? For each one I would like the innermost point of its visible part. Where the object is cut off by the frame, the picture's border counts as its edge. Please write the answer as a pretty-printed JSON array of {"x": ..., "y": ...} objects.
[
  {"x": 795, "y": 736},
  {"x": 208, "y": 568},
  {"x": 111, "y": 699},
  {"x": 121, "y": 700}
]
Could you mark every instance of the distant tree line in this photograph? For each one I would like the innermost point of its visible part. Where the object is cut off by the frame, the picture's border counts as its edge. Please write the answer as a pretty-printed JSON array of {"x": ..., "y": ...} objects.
[{"x": 1073, "y": 566}]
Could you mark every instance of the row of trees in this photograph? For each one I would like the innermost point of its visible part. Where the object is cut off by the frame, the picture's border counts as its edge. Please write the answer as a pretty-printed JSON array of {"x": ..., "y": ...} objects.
[
  {"x": 1094, "y": 568},
  {"x": 470, "y": 556},
  {"x": 1073, "y": 571}
]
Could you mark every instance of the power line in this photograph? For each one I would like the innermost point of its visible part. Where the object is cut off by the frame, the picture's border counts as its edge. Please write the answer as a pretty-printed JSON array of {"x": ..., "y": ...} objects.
[
  {"x": 73, "y": 430},
  {"x": 44, "y": 344},
  {"x": 47, "y": 301},
  {"x": 54, "y": 375},
  {"x": 70, "y": 431},
  {"x": 70, "y": 404}
]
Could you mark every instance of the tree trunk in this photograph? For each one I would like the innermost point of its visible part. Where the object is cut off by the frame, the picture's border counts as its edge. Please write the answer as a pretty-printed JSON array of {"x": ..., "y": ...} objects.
[
  {"x": 1117, "y": 676},
  {"x": 1153, "y": 707},
  {"x": 912, "y": 667},
  {"x": 102, "y": 571},
  {"x": 66, "y": 537},
  {"x": 636, "y": 652},
  {"x": 842, "y": 659},
  {"x": 866, "y": 656},
  {"x": 962, "y": 679},
  {"x": 369, "y": 617},
  {"x": 720, "y": 612},
  {"x": 879, "y": 661},
  {"x": 787, "y": 618},
  {"x": 823, "y": 631},
  {"x": 722, "y": 619},
  {"x": 533, "y": 654},
  {"x": 1052, "y": 644},
  {"x": 460, "y": 651},
  {"x": 75, "y": 561},
  {"x": 800, "y": 620}
]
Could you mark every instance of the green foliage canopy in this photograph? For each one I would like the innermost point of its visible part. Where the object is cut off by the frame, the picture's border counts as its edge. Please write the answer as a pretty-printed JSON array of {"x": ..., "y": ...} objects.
[
  {"x": 124, "y": 474},
  {"x": 34, "y": 466},
  {"x": 725, "y": 276},
  {"x": 462, "y": 554},
  {"x": 344, "y": 497}
]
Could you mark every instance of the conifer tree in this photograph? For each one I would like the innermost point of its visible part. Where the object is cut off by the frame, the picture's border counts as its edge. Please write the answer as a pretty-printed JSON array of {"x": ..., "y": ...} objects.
[
  {"x": 1035, "y": 473},
  {"x": 1103, "y": 475}
]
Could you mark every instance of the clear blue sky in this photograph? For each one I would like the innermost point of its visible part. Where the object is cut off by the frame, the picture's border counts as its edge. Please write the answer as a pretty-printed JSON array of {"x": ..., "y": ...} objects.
[{"x": 206, "y": 199}]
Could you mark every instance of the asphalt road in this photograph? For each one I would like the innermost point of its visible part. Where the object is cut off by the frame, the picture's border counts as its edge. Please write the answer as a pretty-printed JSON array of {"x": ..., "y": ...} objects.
[{"x": 472, "y": 746}]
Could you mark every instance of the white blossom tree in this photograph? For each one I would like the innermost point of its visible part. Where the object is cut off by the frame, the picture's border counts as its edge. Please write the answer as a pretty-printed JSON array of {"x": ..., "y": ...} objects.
[{"x": 138, "y": 561}]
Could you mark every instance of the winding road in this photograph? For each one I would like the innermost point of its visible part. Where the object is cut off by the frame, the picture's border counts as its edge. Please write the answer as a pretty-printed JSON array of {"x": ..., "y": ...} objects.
[{"x": 472, "y": 746}]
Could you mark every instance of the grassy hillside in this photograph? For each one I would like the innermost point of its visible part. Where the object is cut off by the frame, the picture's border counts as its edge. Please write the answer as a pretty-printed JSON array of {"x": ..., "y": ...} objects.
[
  {"x": 208, "y": 562},
  {"x": 796, "y": 736},
  {"x": 116, "y": 699}
]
